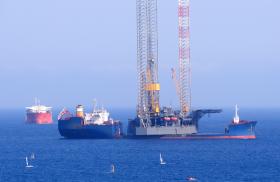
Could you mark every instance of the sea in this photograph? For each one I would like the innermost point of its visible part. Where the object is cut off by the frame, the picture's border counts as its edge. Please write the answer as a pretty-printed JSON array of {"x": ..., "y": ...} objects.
[{"x": 85, "y": 160}]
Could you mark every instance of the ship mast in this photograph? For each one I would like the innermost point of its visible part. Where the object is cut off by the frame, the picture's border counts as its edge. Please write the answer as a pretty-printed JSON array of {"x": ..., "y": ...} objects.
[{"x": 236, "y": 117}]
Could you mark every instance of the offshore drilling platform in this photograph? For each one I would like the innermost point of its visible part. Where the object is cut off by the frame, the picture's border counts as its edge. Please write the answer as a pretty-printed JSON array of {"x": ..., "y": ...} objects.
[{"x": 153, "y": 120}]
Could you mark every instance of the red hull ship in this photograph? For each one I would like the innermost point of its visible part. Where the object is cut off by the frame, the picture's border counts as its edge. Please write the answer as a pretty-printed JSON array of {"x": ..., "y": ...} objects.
[{"x": 39, "y": 114}]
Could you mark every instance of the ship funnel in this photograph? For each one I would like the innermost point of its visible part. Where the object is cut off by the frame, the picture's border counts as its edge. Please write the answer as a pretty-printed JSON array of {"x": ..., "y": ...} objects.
[{"x": 80, "y": 111}]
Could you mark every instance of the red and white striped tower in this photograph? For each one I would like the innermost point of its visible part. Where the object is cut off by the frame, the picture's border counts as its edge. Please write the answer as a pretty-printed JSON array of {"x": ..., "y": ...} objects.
[{"x": 184, "y": 55}]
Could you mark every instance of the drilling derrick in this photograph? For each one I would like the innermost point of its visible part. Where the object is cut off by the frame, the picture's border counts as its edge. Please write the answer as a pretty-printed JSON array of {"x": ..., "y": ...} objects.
[
  {"x": 147, "y": 60},
  {"x": 184, "y": 56},
  {"x": 153, "y": 121}
]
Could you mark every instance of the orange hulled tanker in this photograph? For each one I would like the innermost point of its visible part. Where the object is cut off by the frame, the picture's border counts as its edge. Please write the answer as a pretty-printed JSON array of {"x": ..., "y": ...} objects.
[{"x": 39, "y": 114}]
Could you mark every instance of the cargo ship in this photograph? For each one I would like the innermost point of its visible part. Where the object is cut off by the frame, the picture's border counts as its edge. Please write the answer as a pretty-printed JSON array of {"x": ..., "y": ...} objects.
[
  {"x": 39, "y": 114},
  {"x": 96, "y": 125},
  {"x": 237, "y": 129}
]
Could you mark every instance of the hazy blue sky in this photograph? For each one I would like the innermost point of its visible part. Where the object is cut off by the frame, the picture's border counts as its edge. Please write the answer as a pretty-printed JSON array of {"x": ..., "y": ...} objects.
[{"x": 70, "y": 51}]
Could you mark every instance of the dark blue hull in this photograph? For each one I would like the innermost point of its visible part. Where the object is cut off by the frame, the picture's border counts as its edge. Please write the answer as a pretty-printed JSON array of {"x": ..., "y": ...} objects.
[
  {"x": 75, "y": 129},
  {"x": 244, "y": 130}
]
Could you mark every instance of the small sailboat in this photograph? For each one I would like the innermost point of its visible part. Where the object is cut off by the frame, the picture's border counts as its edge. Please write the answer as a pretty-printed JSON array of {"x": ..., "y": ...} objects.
[
  {"x": 162, "y": 162},
  {"x": 112, "y": 168},
  {"x": 191, "y": 178},
  {"x": 32, "y": 156},
  {"x": 27, "y": 164}
]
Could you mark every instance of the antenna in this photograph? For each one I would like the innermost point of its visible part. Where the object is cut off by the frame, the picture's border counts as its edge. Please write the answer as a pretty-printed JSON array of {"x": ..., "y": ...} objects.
[
  {"x": 94, "y": 105},
  {"x": 36, "y": 101}
]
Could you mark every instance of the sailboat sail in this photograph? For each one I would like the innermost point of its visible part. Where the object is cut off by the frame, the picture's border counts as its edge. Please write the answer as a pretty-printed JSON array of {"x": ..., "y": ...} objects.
[
  {"x": 27, "y": 163},
  {"x": 26, "y": 160},
  {"x": 161, "y": 159}
]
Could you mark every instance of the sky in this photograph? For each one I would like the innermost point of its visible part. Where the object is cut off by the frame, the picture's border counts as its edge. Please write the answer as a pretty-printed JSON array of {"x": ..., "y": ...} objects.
[{"x": 69, "y": 52}]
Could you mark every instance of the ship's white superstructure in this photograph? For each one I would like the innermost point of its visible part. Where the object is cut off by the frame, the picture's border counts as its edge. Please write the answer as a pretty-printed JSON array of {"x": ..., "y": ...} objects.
[
  {"x": 38, "y": 108},
  {"x": 98, "y": 117}
]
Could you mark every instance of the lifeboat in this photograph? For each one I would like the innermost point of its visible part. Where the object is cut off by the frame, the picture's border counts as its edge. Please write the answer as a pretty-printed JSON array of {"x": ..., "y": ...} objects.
[
  {"x": 167, "y": 118},
  {"x": 174, "y": 118}
]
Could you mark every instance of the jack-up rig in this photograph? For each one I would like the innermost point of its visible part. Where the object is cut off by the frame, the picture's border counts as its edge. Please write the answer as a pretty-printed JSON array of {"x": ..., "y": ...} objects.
[{"x": 152, "y": 120}]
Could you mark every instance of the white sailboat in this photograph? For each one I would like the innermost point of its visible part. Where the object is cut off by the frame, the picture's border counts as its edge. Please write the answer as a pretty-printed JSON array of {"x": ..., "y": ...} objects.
[
  {"x": 162, "y": 162},
  {"x": 112, "y": 168},
  {"x": 27, "y": 164},
  {"x": 32, "y": 156},
  {"x": 191, "y": 179}
]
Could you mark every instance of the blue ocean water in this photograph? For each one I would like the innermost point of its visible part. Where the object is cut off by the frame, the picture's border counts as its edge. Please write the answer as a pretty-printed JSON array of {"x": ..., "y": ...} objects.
[{"x": 60, "y": 160}]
